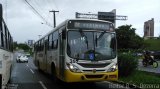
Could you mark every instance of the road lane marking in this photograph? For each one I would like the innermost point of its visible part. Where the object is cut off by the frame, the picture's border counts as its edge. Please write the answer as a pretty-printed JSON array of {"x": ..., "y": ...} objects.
[
  {"x": 31, "y": 71},
  {"x": 27, "y": 65},
  {"x": 44, "y": 87}
]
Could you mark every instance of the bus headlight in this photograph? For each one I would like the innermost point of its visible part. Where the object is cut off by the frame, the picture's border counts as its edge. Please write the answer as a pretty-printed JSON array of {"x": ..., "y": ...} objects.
[
  {"x": 73, "y": 68},
  {"x": 0, "y": 64},
  {"x": 113, "y": 68}
]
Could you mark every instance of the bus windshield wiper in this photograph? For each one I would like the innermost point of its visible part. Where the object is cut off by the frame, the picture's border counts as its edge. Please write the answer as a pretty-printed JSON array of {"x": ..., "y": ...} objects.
[
  {"x": 100, "y": 36},
  {"x": 83, "y": 35}
]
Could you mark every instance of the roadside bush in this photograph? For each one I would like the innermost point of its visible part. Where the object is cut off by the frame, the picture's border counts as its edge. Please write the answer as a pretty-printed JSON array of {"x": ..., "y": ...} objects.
[{"x": 127, "y": 63}]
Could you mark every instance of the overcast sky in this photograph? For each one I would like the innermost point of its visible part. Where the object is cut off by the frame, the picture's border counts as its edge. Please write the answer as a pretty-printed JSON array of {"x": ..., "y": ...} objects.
[{"x": 24, "y": 24}]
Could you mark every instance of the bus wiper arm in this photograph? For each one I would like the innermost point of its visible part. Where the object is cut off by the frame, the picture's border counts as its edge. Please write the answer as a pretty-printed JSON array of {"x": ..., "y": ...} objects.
[
  {"x": 100, "y": 36},
  {"x": 83, "y": 35}
]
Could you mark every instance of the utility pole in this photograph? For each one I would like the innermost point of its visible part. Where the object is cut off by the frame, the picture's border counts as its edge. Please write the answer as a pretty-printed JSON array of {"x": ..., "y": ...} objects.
[{"x": 54, "y": 17}]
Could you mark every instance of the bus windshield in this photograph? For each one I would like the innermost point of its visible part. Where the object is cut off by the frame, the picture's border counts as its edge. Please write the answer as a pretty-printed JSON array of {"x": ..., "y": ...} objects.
[{"x": 91, "y": 45}]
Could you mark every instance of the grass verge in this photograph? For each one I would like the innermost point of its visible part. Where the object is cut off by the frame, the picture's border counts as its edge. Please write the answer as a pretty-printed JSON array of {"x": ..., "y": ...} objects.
[{"x": 140, "y": 78}]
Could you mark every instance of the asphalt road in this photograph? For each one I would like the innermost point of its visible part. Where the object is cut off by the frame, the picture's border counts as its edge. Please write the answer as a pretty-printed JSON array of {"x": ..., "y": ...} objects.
[{"x": 26, "y": 76}]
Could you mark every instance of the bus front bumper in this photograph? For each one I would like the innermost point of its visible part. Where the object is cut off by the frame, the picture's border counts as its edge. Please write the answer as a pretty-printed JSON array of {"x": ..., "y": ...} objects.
[{"x": 90, "y": 77}]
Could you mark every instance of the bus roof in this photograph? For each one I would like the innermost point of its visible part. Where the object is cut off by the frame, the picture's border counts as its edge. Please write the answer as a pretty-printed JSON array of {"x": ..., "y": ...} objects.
[{"x": 65, "y": 22}]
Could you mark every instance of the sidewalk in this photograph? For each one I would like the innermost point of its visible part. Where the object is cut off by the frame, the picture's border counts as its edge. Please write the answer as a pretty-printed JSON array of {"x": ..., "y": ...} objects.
[{"x": 149, "y": 68}]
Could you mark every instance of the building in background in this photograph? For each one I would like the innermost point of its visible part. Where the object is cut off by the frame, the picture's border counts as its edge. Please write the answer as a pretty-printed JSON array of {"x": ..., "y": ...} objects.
[
  {"x": 149, "y": 28},
  {"x": 108, "y": 16},
  {"x": 30, "y": 43}
]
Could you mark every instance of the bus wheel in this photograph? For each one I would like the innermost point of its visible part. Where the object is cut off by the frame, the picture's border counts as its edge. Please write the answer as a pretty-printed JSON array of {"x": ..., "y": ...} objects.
[
  {"x": 53, "y": 74},
  {"x": 38, "y": 66},
  {"x": 155, "y": 64},
  {"x": 9, "y": 81}
]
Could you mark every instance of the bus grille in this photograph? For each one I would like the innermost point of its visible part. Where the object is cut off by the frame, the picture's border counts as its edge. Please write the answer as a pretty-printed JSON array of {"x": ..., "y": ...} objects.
[
  {"x": 94, "y": 76},
  {"x": 92, "y": 70},
  {"x": 87, "y": 65}
]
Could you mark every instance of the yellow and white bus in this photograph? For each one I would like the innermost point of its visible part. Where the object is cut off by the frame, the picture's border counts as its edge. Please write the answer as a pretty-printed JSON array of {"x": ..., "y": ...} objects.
[
  {"x": 6, "y": 52},
  {"x": 79, "y": 50}
]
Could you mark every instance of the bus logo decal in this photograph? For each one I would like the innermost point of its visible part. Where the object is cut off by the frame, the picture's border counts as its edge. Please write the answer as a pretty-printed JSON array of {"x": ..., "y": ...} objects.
[
  {"x": 91, "y": 56},
  {"x": 94, "y": 70}
]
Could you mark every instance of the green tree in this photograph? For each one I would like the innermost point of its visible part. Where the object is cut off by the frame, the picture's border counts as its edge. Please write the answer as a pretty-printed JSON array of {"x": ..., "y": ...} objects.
[
  {"x": 127, "y": 38},
  {"x": 25, "y": 47},
  {"x": 152, "y": 44},
  {"x": 127, "y": 64}
]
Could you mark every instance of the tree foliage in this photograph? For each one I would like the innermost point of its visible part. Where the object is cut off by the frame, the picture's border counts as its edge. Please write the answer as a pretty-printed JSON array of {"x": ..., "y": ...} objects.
[
  {"x": 127, "y": 63},
  {"x": 23, "y": 46},
  {"x": 127, "y": 38},
  {"x": 152, "y": 44}
]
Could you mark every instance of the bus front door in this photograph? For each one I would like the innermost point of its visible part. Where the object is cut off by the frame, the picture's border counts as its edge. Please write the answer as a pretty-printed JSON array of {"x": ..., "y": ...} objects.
[{"x": 61, "y": 56}]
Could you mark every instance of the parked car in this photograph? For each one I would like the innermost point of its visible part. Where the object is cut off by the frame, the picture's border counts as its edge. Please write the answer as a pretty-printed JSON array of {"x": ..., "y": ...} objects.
[{"x": 22, "y": 58}]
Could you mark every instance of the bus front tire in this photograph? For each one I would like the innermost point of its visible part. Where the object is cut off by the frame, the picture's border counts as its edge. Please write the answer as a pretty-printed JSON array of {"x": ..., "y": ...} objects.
[
  {"x": 53, "y": 75},
  {"x": 38, "y": 67}
]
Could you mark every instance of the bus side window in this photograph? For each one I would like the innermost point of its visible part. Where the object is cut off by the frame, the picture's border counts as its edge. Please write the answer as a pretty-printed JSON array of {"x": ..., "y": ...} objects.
[
  {"x": 50, "y": 41},
  {"x": 42, "y": 44},
  {"x": 39, "y": 46},
  {"x": 11, "y": 44},
  {"x": 0, "y": 33},
  {"x": 55, "y": 40},
  {"x": 6, "y": 36},
  {"x": 62, "y": 31},
  {"x": 0, "y": 38}
]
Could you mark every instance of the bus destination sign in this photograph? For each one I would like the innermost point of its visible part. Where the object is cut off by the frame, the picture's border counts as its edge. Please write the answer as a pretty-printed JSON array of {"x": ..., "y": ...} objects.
[{"x": 91, "y": 25}]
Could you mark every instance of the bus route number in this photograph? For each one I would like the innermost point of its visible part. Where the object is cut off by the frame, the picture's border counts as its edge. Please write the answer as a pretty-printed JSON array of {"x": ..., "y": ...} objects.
[{"x": 73, "y": 61}]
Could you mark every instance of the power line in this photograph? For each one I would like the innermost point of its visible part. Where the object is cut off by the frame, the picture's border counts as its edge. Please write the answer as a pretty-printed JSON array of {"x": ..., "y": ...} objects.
[
  {"x": 37, "y": 12},
  {"x": 48, "y": 18},
  {"x": 42, "y": 7},
  {"x": 38, "y": 7},
  {"x": 34, "y": 9},
  {"x": 46, "y": 23}
]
